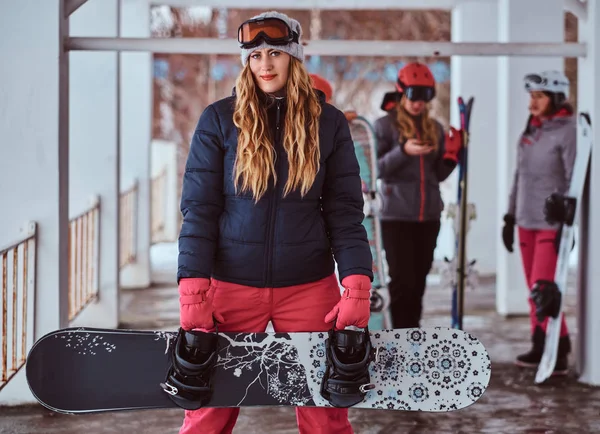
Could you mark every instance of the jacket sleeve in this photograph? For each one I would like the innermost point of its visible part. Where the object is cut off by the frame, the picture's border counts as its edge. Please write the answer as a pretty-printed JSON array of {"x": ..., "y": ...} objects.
[
  {"x": 342, "y": 204},
  {"x": 201, "y": 199},
  {"x": 443, "y": 166},
  {"x": 512, "y": 198},
  {"x": 390, "y": 156},
  {"x": 569, "y": 151}
]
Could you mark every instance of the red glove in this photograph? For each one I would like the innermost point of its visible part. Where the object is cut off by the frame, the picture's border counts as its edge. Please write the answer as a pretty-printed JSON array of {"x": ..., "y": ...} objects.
[
  {"x": 196, "y": 304},
  {"x": 354, "y": 309},
  {"x": 453, "y": 144}
]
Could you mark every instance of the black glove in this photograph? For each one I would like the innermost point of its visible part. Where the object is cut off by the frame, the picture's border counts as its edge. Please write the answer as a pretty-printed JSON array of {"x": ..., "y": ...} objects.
[
  {"x": 508, "y": 232},
  {"x": 554, "y": 209}
]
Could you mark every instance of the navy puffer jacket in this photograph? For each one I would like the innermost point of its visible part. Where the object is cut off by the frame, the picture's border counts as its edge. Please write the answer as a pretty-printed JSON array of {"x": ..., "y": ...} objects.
[{"x": 278, "y": 241}]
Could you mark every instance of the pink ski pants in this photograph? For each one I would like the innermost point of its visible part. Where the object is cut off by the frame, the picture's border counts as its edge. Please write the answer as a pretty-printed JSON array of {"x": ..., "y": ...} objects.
[
  {"x": 539, "y": 263},
  {"x": 300, "y": 308}
]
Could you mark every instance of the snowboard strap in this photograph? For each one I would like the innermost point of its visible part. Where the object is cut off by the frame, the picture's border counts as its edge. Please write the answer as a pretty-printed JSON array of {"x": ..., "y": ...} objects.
[
  {"x": 193, "y": 357},
  {"x": 348, "y": 355}
]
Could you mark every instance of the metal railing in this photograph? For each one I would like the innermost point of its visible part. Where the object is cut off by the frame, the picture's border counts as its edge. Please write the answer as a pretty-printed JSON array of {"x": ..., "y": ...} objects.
[
  {"x": 158, "y": 202},
  {"x": 84, "y": 258},
  {"x": 128, "y": 225},
  {"x": 18, "y": 292}
]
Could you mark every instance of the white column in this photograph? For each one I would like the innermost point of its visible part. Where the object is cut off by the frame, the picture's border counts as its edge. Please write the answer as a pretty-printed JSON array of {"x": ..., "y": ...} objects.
[
  {"x": 519, "y": 21},
  {"x": 588, "y": 100},
  {"x": 136, "y": 133},
  {"x": 164, "y": 158},
  {"x": 34, "y": 163},
  {"x": 478, "y": 77},
  {"x": 94, "y": 151}
]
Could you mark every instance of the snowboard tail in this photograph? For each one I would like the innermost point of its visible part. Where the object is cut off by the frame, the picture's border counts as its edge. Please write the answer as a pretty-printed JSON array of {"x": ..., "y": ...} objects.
[{"x": 85, "y": 370}]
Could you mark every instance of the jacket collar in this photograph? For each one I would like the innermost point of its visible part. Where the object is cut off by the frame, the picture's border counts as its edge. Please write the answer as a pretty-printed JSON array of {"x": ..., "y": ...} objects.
[
  {"x": 269, "y": 99},
  {"x": 537, "y": 122}
]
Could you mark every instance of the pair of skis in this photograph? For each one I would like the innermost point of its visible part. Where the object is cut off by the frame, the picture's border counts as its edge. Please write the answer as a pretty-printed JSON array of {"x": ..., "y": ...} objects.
[{"x": 459, "y": 273}]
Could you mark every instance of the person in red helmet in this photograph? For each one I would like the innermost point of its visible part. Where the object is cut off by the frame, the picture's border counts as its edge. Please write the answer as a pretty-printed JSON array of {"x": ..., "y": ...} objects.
[
  {"x": 323, "y": 85},
  {"x": 414, "y": 155}
]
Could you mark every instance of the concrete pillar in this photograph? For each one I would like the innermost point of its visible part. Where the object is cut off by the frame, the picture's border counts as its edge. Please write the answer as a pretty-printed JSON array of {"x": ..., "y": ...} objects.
[
  {"x": 34, "y": 159},
  {"x": 588, "y": 344},
  {"x": 519, "y": 21},
  {"x": 94, "y": 151},
  {"x": 136, "y": 134},
  {"x": 478, "y": 77}
]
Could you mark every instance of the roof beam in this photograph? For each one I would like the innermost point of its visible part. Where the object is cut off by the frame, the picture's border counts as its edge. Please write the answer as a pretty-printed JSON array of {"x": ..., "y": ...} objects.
[
  {"x": 315, "y": 4},
  {"x": 334, "y": 47}
]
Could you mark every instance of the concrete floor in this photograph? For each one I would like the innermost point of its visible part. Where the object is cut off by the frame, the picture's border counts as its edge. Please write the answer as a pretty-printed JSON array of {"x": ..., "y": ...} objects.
[{"x": 511, "y": 404}]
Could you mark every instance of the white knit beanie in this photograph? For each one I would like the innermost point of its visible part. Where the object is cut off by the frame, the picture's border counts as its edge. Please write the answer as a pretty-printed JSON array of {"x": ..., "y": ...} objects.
[{"x": 293, "y": 49}]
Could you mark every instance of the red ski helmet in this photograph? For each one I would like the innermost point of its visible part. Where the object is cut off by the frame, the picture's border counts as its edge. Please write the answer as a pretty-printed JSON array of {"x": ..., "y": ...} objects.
[
  {"x": 323, "y": 85},
  {"x": 416, "y": 81}
]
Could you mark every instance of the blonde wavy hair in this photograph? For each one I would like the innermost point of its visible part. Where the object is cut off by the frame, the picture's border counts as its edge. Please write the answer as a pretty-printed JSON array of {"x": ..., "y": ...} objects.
[
  {"x": 408, "y": 128},
  {"x": 255, "y": 158}
]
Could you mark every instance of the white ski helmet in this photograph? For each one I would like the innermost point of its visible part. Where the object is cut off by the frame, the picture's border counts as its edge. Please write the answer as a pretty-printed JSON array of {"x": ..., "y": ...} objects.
[{"x": 548, "y": 81}]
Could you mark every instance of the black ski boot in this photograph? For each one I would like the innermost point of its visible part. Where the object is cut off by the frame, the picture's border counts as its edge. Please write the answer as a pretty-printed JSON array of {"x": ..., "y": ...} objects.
[
  {"x": 347, "y": 380},
  {"x": 562, "y": 360},
  {"x": 532, "y": 358},
  {"x": 193, "y": 358}
]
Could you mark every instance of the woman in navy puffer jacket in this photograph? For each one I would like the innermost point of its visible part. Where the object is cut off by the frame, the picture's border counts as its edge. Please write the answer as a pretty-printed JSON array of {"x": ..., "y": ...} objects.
[{"x": 271, "y": 196}]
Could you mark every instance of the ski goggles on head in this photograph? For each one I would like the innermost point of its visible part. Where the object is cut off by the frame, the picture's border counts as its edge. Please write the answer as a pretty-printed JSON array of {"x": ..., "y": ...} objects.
[
  {"x": 419, "y": 93},
  {"x": 534, "y": 80},
  {"x": 273, "y": 31}
]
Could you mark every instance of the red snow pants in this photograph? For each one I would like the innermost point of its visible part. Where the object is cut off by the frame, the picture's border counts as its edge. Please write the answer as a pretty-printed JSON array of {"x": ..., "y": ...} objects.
[
  {"x": 539, "y": 263},
  {"x": 300, "y": 308}
]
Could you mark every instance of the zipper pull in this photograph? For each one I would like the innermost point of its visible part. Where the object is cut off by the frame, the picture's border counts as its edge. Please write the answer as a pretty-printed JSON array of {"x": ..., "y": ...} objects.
[{"x": 278, "y": 114}]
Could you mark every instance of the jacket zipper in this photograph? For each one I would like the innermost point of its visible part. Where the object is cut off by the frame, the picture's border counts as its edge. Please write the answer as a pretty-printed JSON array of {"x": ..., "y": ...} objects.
[
  {"x": 422, "y": 184},
  {"x": 273, "y": 202}
]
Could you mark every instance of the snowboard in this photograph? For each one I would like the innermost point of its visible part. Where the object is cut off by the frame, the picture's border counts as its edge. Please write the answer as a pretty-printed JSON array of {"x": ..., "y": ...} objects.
[
  {"x": 365, "y": 147},
  {"x": 87, "y": 370},
  {"x": 463, "y": 214},
  {"x": 576, "y": 187}
]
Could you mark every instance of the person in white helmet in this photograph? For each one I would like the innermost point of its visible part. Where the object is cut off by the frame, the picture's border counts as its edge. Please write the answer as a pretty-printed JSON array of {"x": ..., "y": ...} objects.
[{"x": 545, "y": 160}]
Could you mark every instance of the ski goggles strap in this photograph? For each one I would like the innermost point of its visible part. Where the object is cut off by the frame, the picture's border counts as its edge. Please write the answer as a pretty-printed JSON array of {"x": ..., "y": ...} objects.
[
  {"x": 419, "y": 93},
  {"x": 274, "y": 31}
]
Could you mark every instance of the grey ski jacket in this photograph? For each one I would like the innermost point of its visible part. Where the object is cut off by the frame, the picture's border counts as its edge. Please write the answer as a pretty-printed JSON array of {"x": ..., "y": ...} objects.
[
  {"x": 409, "y": 185},
  {"x": 545, "y": 160}
]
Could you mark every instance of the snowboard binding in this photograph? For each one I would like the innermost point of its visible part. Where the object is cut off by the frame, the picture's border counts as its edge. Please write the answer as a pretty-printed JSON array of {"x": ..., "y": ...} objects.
[
  {"x": 193, "y": 358},
  {"x": 547, "y": 298},
  {"x": 348, "y": 356}
]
